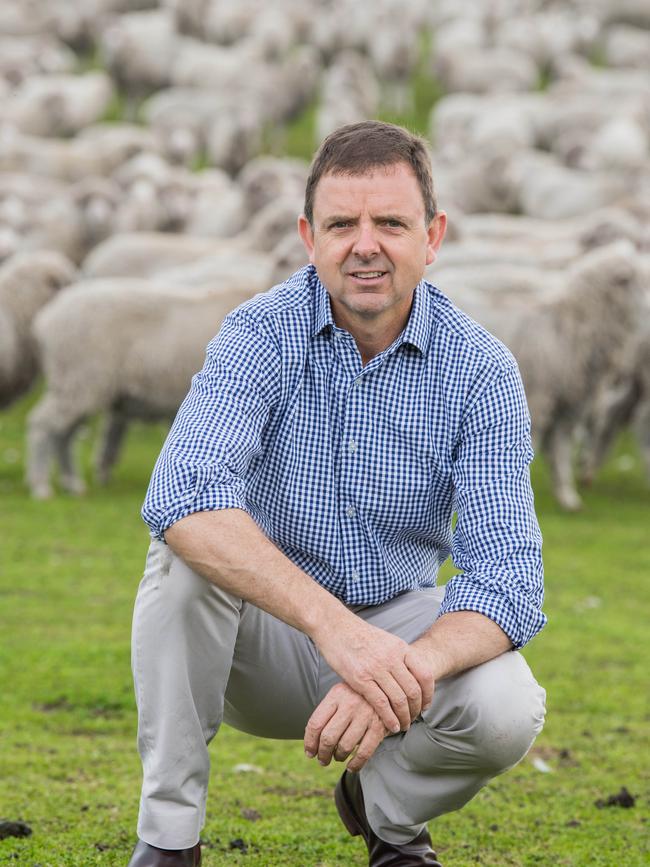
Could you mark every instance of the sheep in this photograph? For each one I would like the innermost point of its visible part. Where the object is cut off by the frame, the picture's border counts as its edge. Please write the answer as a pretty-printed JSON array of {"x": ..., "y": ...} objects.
[
  {"x": 627, "y": 46},
  {"x": 571, "y": 345},
  {"x": 266, "y": 178},
  {"x": 25, "y": 18},
  {"x": 485, "y": 71},
  {"x": 22, "y": 57},
  {"x": 235, "y": 137},
  {"x": 621, "y": 144},
  {"x": 28, "y": 281},
  {"x": 349, "y": 93},
  {"x": 59, "y": 105},
  {"x": 144, "y": 254},
  {"x": 460, "y": 123},
  {"x": 589, "y": 230},
  {"x": 550, "y": 191},
  {"x": 126, "y": 348},
  {"x": 64, "y": 159},
  {"x": 138, "y": 49},
  {"x": 156, "y": 195},
  {"x": 288, "y": 256},
  {"x": 140, "y": 254},
  {"x": 633, "y": 12},
  {"x": 180, "y": 117},
  {"x": 216, "y": 207}
]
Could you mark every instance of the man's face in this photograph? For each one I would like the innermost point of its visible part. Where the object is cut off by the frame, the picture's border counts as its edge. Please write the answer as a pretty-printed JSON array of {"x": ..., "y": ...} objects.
[{"x": 370, "y": 243}]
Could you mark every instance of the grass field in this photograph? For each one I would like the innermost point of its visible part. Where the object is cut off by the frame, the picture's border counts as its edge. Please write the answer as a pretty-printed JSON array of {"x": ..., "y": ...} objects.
[{"x": 68, "y": 573}]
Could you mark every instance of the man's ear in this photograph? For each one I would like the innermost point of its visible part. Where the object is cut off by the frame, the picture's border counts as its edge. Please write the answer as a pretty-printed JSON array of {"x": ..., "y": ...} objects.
[
  {"x": 306, "y": 235},
  {"x": 436, "y": 232}
]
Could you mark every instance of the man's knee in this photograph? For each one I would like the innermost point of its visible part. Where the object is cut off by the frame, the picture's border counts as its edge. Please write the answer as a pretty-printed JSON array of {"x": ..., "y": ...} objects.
[
  {"x": 505, "y": 707},
  {"x": 490, "y": 715}
]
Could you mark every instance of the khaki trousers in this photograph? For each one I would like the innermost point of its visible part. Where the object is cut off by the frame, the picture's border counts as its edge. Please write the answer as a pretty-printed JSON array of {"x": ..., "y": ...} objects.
[{"x": 201, "y": 656}]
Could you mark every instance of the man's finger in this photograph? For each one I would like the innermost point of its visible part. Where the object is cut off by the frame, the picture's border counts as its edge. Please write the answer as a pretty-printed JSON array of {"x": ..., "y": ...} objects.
[
  {"x": 398, "y": 698},
  {"x": 424, "y": 676},
  {"x": 369, "y": 743},
  {"x": 331, "y": 735},
  {"x": 351, "y": 737},
  {"x": 380, "y": 703},
  {"x": 317, "y": 721}
]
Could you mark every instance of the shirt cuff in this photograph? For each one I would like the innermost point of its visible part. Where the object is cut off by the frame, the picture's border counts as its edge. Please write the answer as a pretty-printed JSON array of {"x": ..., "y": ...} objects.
[
  {"x": 209, "y": 500},
  {"x": 519, "y": 618}
]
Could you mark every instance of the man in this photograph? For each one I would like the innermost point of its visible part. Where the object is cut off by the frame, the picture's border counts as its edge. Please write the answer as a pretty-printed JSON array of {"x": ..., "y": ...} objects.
[{"x": 301, "y": 507}]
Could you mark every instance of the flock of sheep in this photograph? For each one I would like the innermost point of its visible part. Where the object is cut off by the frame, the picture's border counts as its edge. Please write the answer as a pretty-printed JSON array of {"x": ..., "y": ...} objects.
[{"x": 119, "y": 259}]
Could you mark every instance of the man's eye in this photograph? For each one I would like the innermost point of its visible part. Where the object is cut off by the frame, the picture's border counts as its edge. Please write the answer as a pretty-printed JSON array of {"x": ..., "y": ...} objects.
[
  {"x": 340, "y": 224},
  {"x": 393, "y": 224}
]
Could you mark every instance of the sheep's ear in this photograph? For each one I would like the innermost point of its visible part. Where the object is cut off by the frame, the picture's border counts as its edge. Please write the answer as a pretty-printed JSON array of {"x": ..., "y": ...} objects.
[{"x": 307, "y": 235}]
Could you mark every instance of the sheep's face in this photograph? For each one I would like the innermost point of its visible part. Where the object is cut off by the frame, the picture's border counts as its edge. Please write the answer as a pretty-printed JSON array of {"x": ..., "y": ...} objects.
[{"x": 370, "y": 245}]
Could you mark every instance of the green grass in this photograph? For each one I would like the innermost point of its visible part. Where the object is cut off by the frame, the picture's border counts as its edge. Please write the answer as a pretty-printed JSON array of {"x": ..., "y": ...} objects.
[{"x": 68, "y": 765}]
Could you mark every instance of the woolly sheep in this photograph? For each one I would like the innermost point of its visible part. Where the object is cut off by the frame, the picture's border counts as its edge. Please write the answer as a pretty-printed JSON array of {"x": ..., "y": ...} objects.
[
  {"x": 65, "y": 159},
  {"x": 28, "y": 281},
  {"x": 23, "y": 57},
  {"x": 216, "y": 207},
  {"x": 550, "y": 191},
  {"x": 266, "y": 178},
  {"x": 140, "y": 254},
  {"x": 484, "y": 71},
  {"x": 157, "y": 340},
  {"x": 138, "y": 49},
  {"x": 570, "y": 346},
  {"x": 58, "y": 105}
]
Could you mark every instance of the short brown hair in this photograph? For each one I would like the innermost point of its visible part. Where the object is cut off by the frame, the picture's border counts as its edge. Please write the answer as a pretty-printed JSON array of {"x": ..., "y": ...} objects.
[{"x": 357, "y": 148}]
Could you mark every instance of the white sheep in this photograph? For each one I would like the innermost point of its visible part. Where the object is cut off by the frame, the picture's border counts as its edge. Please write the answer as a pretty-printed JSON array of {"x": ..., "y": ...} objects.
[
  {"x": 138, "y": 49},
  {"x": 127, "y": 348},
  {"x": 140, "y": 254},
  {"x": 22, "y": 57},
  {"x": 267, "y": 178},
  {"x": 28, "y": 281},
  {"x": 58, "y": 105},
  {"x": 571, "y": 344},
  {"x": 627, "y": 46},
  {"x": 65, "y": 159}
]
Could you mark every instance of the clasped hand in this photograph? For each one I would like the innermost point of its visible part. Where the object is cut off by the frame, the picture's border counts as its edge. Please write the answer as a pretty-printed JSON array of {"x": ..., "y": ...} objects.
[{"x": 387, "y": 684}]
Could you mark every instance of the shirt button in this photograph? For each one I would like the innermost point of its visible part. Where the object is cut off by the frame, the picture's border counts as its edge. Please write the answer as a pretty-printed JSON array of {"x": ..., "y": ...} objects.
[
  {"x": 355, "y": 575},
  {"x": 353, "y": 446},
  {"x": 357, "y": 382},
  {"x": 350, "y": 511}
]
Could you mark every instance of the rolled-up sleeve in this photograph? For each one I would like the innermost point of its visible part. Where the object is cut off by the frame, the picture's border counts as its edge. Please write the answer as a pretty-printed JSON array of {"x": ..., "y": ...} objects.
[
  {"x": 218, "y": 428},
  {"x": 497, "y": 541}
]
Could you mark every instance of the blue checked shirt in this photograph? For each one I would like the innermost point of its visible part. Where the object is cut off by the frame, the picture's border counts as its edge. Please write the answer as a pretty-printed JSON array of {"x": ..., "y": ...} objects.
[{"x": 354, "y": 472}]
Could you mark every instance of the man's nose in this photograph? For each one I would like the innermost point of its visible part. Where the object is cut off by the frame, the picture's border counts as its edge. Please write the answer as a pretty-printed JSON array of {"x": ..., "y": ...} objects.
[{"x": 366, "y": 243}]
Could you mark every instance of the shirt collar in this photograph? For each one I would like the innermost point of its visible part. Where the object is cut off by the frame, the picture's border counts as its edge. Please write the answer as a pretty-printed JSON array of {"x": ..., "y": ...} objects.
[
  {"x": 323, "y": 310},
  {"x": 418, "y": 327}
]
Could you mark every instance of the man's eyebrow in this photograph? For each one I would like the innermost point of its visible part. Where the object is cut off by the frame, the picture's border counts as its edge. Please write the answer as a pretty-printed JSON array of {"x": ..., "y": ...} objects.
[
  {"x": 379, "y": 218},
  {"x": 340, "y": 218}
]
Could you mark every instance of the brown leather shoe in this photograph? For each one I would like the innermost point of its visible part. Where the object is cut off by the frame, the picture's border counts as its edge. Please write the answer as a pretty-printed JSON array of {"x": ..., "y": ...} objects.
[
  {"x": 145, "y": 855},
  {"x": 348, "y": 797}
]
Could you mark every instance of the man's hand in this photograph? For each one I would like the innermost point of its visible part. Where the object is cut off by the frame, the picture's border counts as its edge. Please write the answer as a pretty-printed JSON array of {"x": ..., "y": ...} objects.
[
  {"x": 395, "y": 678},
  {"x": 342, "y": 724}
]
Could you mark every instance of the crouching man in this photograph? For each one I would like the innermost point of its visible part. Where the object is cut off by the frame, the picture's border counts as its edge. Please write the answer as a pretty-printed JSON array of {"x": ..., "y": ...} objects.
[{"x": 300, "y": 509}]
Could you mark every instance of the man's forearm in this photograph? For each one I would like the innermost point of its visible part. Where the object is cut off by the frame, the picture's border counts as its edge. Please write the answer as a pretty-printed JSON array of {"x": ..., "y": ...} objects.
[
  {"x": 460, "y": 640},
  {"x": 227, "y": 548}
]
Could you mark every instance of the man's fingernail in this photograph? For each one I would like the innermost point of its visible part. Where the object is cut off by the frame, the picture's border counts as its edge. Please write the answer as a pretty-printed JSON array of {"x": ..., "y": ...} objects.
[
  {"x": 321, "y": 762},
  {"x": 309, "y": 754},
  {"x": 396, "y": 729}
]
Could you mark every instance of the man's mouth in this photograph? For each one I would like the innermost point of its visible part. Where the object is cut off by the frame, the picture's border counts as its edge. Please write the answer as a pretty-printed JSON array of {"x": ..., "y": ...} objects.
[{"x": 367, "y": 275}]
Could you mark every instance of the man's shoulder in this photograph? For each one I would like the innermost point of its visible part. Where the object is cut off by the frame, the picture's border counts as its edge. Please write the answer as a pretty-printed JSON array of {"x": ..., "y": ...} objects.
[
  {"x": 289, "y": 302},
  {"x": 463, "y": 338}
]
